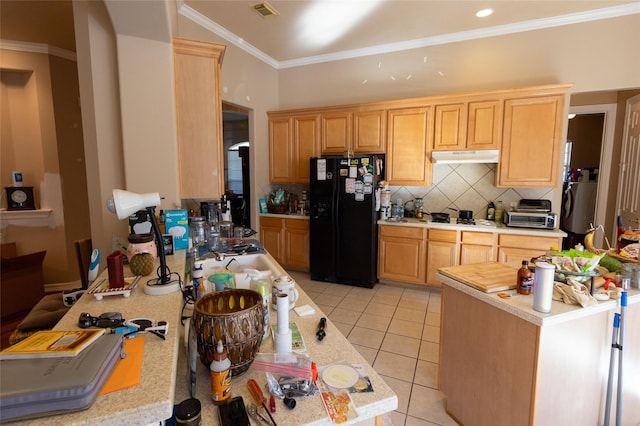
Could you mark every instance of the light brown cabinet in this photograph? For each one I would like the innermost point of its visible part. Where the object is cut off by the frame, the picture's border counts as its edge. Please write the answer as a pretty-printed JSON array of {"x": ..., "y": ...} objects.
[
  {"x": 467, "y": 126},
  {"x": 336, "y": 133},
  {"x": 408, "y": 147},
  {"x": 514, "y": 248},
  {"x": 287, "y": 240},
  {"x": 370, "y": 131},
  {"x": 442, "y": 251},
  {"x": 531, "y": 142},
  {"x": 199, "y": 118},
  {"x": 478, "y": 247},
  {"x": 401, "y": 253},
  {"x": 292, "y": 141}
]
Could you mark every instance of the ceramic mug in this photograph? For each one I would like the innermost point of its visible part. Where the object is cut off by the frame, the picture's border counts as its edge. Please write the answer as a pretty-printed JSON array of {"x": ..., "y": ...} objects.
[{"x": 284, "y": 285}]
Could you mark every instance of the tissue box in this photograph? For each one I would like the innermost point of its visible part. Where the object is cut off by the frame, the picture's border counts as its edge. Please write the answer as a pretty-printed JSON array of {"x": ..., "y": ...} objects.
[{"x": 177, "y": 224}]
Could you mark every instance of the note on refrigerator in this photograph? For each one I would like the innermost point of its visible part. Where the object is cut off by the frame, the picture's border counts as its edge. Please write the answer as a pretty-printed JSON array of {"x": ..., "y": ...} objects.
[{"x": 322, "y": 169}]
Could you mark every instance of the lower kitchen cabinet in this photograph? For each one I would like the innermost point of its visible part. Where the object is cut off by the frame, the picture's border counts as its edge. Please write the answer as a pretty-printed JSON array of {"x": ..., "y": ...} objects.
[
  {"x": 401, "y": 253},
  {"x": 287, "y": 240},
  {"x": 442, "y": 251},
  {"x": 478, "y": 247},
  {"x": 515, "y": 248}
]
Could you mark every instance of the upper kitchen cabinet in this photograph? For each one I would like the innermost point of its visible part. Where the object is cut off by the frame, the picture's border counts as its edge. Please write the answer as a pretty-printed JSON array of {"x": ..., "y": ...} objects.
[
  {"x": 408, "y": 147},
  {"x": 361, "y": 131},
  {"x": 292, "y": 141},
  {"x": 467, "y": 125},
  {"x": 199, "y": 118},
  {"x": 531, "y": 141},
  {"x": 336, "y": 132}
]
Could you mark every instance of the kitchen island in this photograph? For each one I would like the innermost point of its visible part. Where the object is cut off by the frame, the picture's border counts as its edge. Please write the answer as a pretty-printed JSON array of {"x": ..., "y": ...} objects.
[
  {"x": 163, "y": 377},
  {"x": 503, "y": 363}
]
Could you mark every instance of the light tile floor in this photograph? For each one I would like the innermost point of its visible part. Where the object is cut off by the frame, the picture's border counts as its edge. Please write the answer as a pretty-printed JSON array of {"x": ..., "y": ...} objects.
[{"x": 397, "y": 330}]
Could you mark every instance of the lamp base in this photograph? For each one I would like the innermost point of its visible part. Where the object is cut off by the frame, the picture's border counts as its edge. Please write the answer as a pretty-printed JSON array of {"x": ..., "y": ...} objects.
[{"x": 153, "y": 289}]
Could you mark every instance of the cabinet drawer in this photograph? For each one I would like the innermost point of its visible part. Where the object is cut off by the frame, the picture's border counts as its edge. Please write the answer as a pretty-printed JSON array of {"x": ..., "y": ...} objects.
[
  {"x": 529, "y": 242},
  {"x": 296, "y": 223},
  {"x": 411, "y": 232},
  {"x": 443, "y": 235},
  {"x": 481, "y": 238},
  {"x": 274, "y": 222}
]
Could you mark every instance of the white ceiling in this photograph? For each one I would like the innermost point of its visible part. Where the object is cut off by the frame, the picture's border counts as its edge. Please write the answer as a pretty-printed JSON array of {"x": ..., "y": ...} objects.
[{"x": 314, "y": 31}]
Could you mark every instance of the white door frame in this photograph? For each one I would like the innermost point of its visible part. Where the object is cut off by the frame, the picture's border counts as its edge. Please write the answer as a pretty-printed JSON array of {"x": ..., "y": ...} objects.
[{"x": 606, "y": 160}]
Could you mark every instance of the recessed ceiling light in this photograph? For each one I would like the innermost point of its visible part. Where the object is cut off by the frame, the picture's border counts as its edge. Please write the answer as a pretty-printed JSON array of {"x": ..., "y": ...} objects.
[{"x": 483, "y": 13}]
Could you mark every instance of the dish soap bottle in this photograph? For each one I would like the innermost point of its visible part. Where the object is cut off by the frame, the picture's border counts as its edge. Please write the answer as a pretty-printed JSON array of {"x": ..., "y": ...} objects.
[
  {"x": 262, "y": 286},
  {"x": 220, "y": 371},
  {"x": 499, "y": 215},
  {"x": 525, "y": 279}
]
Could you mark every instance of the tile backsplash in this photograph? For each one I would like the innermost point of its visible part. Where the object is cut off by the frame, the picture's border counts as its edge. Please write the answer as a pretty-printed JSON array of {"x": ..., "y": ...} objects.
[{"x": 458, "y": 186}]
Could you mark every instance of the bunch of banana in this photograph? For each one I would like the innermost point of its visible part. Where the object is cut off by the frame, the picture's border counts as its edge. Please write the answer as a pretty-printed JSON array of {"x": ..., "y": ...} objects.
[{"x": 588, "y": 239}]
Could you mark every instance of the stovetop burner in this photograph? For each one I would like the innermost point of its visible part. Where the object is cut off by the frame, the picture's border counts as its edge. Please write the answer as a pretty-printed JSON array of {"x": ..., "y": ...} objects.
[
  {"x": 441, "y": 220},
  {"x": 461, "y": 221}
]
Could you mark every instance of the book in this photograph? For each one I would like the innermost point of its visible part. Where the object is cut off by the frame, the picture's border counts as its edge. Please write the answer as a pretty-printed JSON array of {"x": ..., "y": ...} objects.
[{"x": 52, "y": 343}]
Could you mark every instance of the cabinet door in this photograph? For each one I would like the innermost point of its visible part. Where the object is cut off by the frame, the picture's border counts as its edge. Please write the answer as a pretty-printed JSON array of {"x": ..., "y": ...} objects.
[
  {"x": 280, "y": 147},
  {"x": 484, "y": 125},
  {"x": 369, "y": 131},
  {"x": 408, "y": 143},
  {"x": 272, "y": 237},
  {"x": 450, "y": 127},
  {"x": 478, "y": 247},
  {"x": 336, "y": 133},
  {"x": 296, "y": 243},
  {"x": 305, "y": 146},
  {"x": 199, "y": 118},
  {"x": 532, "y": 133},
  {"x": 401, "y": 259},
  {"x": 440, "y": 254}
]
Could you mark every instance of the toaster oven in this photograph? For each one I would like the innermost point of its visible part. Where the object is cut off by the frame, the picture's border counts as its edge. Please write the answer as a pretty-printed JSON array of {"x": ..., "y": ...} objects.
[{"x": 531, "y": 220}]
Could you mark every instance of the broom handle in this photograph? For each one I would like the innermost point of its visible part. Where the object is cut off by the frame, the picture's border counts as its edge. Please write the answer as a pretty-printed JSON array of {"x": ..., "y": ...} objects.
[
  {"x": 623, "y": 309},
  {"x": 612, "y": 361}
]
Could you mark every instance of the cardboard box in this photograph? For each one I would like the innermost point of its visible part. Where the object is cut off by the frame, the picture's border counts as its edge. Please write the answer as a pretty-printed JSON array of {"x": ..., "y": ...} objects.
[{"x": 177, "y": 224}]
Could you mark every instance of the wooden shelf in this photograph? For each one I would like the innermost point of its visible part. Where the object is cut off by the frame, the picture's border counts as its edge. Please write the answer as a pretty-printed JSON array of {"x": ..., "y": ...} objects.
[{"x": 24, "y": 214}]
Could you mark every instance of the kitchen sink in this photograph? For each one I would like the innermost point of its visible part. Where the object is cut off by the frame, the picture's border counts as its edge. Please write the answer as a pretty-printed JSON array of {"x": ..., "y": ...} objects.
[{"x": 240, "y": 265}]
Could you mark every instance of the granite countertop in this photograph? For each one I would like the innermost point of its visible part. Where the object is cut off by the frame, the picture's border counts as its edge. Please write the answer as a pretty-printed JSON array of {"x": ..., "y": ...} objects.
[
  {"x": 151, "y": 402},
  {"x": 522, "y": 305},
  {"x": 286, "y": 216},
  {"x": 480, "y": 226},
  {"x": 334, "y": 348}
]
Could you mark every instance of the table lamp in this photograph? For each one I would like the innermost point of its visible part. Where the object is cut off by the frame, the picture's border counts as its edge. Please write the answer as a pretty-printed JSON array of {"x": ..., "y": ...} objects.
[{"x": 123, "y": 204}]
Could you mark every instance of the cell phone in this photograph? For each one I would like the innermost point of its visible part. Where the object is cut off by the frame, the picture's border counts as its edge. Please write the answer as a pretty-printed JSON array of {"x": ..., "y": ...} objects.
[{"x": 233, "y": 413}]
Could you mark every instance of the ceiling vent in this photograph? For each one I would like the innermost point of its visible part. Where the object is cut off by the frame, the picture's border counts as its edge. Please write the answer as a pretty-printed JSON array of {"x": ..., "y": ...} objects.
[{"x": 265, "y": 9}]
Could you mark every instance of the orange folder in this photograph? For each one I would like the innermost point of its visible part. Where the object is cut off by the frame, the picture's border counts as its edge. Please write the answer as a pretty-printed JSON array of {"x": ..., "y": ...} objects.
[{"x": 126, "y": 373}]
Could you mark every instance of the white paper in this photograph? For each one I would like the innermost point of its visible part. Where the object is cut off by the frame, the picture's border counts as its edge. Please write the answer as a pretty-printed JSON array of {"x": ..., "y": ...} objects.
[{"x": 322, "y": 169}]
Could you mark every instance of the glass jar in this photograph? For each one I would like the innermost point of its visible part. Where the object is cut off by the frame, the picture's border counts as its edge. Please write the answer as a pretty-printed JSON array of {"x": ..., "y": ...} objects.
[{"x": 197, "y": 231}]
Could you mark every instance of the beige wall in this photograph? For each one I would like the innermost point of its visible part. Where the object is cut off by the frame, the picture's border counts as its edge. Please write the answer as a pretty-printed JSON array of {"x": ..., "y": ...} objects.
[{"x": 41, "y": 129}]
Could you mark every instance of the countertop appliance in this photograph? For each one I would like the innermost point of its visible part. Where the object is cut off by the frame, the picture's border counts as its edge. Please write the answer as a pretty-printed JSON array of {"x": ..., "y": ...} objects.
[
  {"x": 532, "y": 214},
  {"x": 343, "y": 229},
  {"x": 578, "y": 206}
]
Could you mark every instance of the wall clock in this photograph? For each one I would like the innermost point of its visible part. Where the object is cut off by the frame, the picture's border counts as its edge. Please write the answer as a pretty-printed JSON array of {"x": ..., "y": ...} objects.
[{"x": 20, "y": 198}]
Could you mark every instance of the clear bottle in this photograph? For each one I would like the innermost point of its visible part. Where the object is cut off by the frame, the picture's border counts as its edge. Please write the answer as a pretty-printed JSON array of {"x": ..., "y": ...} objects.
[
  {"x": 220, "y": 371},
  {"x": 197, "y": 276},
  {"x": 491, "y": 211},
  {"x": 525, "y": 279},
  {"x": 262, "y": 286}
]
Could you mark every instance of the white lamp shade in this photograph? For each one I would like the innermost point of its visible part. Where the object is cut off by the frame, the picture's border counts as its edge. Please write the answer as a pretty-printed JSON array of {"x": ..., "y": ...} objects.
[{"x": 125, "y": 203}]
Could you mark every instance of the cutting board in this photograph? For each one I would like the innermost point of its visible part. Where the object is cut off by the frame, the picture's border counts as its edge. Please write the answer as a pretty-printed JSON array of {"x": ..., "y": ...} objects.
[{"x": 487, "y": 277}]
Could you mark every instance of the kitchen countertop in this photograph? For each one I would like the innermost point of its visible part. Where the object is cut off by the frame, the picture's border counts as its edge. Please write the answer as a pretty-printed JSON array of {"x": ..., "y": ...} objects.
[
  {"x": 480, "y": 226},
  {"x": 522, "y": 305},
  {"x": 151, "y": 402},
  {"x": 334, "y": 348},
  {"x": 286, "y": 216}
]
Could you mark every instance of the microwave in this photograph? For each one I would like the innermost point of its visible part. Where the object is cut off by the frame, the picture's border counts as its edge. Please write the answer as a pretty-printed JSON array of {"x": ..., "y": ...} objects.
[{"x": 537, "y": 220}]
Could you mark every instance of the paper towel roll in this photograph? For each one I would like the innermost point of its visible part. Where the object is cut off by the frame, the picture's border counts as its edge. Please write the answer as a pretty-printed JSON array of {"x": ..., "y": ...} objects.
[{"x": 282, "y": 303}]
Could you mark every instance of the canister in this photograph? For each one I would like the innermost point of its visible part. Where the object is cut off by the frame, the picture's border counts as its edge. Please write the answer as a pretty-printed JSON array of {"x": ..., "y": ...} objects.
[{"x": 543, "y": 287}]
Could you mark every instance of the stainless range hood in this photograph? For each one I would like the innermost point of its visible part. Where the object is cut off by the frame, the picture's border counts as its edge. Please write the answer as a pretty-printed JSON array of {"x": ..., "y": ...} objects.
[{"x": 460, "y": 157}]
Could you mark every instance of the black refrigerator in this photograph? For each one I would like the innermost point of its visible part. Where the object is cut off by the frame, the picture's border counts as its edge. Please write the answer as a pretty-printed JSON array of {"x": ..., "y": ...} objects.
[{"x": 343, "y": 216}]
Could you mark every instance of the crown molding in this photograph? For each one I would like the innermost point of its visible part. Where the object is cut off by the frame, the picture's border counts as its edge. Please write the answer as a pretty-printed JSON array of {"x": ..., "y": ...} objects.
[
  {"x": 536, "y": 24},
  {"x": 46, "y": 49}
]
